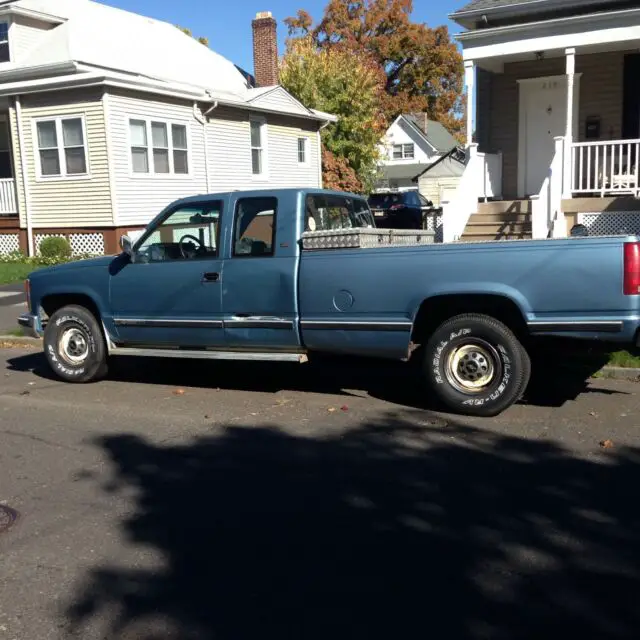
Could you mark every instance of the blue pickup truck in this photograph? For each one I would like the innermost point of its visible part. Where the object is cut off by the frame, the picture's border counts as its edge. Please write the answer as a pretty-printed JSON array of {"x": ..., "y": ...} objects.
[{"x": 284, "y": 274}]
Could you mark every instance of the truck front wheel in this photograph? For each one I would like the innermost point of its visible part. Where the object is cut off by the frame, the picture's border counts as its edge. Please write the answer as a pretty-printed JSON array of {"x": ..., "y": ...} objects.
[
  {"x": 74, "y": 345},
  {"x": 476, "y": 365}
]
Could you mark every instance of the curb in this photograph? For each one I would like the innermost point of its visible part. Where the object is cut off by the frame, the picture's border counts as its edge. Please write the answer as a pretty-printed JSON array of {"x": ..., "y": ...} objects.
[
  {"x": 620, "y": 373},
  {"x": 16, "y": 341}
]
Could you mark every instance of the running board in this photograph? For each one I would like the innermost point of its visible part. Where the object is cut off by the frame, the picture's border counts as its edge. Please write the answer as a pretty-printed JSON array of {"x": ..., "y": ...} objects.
[{"x": 210, "y": 355}]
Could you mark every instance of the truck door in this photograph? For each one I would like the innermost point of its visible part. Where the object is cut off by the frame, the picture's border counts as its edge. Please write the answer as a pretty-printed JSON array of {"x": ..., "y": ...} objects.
[
  {"x": 259, "y": 292},
  {"x": 170, "y": 294}
]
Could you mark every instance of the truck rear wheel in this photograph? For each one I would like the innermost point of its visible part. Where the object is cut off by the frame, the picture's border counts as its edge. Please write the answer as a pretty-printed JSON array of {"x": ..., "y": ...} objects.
[
  {"x": 74, "y": 345},
  {"x": 476, "y": 365}
]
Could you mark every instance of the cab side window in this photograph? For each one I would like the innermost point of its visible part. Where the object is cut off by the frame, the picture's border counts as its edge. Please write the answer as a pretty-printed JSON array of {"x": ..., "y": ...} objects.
[
  {"x": 188, "y": 233},
  {"x": 254, "y": 229}
]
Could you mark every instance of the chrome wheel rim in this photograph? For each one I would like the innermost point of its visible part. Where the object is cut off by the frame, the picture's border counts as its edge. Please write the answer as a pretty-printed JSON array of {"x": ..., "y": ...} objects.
[
  {"x": 73, "y": 345},
  {"x": 473, "y": 366}
]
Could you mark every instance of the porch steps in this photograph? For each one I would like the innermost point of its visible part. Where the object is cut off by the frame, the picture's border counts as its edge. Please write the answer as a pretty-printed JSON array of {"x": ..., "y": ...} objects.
[{"x": 503, "y": 220}]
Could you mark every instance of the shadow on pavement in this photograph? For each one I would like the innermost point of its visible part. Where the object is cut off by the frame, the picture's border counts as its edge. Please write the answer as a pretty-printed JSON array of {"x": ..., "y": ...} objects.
[
  {"x": 389, "y": 530},
  {"x": 558, "y": 376}
]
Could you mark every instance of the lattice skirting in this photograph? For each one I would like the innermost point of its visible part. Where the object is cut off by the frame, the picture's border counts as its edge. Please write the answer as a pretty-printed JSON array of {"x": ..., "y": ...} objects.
[
  {"x": 607, "y": 223},
  {"x": 433, "y": 222},
  {"x": 81, "y": 243},
  {"x": 9, "y": 242}
]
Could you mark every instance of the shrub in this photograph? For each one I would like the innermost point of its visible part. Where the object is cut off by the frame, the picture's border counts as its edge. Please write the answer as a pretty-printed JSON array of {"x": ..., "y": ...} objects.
[{"x": 55, "y": 247}]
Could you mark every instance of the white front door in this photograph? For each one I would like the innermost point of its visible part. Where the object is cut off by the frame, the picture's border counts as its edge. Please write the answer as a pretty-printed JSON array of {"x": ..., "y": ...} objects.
[{"x": 543, "y": 113}]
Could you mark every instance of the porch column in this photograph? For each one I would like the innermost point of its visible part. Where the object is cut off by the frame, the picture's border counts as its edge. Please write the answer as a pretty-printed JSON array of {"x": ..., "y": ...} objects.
[
  {"x": 470, "y": 82},
  {"x": 570, "y": 55}
]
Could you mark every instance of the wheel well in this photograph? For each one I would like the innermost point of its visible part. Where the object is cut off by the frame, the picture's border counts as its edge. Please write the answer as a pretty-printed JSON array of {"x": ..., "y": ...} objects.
[
  {"x": 50, "y": 304},
  {"x": 434, "y": 311}
]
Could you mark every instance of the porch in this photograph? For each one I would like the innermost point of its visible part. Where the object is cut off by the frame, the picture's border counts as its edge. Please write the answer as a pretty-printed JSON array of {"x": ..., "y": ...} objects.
[{"x": 549, "y": 127}]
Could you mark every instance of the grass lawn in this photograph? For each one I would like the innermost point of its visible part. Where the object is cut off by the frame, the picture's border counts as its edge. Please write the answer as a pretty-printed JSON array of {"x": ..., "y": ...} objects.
[
  {"x": 11, "y": 273},
  {"x": 625, "y": 359}
]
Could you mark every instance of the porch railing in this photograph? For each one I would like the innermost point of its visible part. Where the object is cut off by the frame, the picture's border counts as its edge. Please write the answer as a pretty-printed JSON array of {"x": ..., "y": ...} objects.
[
  {"x": 8, "y": 197},
  {"x": 605, "y": 168}
]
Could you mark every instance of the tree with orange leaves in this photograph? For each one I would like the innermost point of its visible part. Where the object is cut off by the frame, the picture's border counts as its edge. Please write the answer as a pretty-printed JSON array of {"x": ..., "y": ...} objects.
[{"x": 423, "y": 67}]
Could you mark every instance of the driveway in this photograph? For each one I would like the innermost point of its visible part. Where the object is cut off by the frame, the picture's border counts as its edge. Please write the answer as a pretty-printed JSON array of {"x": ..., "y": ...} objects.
[{"x": 192, "y": 501}]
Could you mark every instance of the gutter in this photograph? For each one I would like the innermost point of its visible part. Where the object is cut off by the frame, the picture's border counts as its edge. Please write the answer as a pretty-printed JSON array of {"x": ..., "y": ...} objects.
[
  {"x": 55, "y": 68},
  {"x": 93, "y": 80},
  {"x": 25, "y": 182},
  {"x": 515, "y": 28},
  {"x": 519, "y": 8},
  {"x": 32, "y": 13}
]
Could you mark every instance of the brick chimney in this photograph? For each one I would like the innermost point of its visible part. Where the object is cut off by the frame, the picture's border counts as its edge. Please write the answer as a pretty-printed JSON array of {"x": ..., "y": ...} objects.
[
  {"x": 422, "y": 119},
  {"x": 265, "y": 49}
]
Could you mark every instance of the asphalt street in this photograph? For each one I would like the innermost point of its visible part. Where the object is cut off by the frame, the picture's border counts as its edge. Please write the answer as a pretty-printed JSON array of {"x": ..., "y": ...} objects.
[{"x": 190, "y": 501}]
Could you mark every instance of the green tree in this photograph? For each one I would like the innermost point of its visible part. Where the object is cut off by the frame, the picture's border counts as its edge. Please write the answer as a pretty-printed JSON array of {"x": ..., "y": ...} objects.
[
  {"x": 423, "y": 69},
  {"x": 201, "y": 39},
  {"x": 349, "y": 85}
]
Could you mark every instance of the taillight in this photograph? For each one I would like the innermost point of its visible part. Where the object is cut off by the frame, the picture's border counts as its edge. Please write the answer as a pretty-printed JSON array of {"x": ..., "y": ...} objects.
[
  {"x": 27, "y": 290},
  {"x": 631, "y": 284},
  {"x": 396, "y": 207}
]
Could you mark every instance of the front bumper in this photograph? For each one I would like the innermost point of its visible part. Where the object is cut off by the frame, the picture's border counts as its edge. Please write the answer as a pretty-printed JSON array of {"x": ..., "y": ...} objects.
[{"x": 31, "y": 325}]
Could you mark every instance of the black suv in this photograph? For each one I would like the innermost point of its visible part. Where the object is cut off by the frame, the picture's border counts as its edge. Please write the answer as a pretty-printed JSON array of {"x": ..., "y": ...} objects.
[{"x": 399, "y": 209}]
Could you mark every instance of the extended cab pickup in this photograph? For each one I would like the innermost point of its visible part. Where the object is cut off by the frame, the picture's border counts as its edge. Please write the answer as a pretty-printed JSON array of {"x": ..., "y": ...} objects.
[{"x": 283, "y": 274}]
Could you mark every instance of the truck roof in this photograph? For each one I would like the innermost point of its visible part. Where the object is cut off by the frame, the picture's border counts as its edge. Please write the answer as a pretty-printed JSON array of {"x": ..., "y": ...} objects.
[{"x": 256, "y": 193}]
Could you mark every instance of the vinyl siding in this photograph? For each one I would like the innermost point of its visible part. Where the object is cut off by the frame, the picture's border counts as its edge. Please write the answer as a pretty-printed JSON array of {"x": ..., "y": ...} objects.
[
  {"x": 24, "y": 35},
  {"x": 230, "y": 152},
  {"x": 433, "y": 188},
  {"x": 601, "y": 94},
  {"x": 280, "y": 100},
  {"x": 65, "y": 202},
  {"x": 140, "y": 197}
]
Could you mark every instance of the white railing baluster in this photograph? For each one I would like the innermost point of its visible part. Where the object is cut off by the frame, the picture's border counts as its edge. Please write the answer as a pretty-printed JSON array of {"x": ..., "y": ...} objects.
[
  {"x": 611, "y": 166},
  {"x": 7, "y": 197},
  {"x": 635, "y": 168}
]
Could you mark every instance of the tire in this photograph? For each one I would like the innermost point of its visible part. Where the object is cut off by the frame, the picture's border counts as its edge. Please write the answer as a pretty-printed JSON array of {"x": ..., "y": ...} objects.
[
  {"x": 476, "y": 365},
  {"x": 74, "y": 345}
]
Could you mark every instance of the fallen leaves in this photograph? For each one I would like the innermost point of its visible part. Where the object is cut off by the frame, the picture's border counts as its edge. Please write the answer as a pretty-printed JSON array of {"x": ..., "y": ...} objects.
[
  {"x": 606, "y": 444},
  {"x": 178, "y": 392}
]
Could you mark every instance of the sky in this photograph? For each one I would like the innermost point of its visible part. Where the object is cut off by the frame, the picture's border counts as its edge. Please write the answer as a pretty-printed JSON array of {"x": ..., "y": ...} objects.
[{"x": 227, "y": 23}]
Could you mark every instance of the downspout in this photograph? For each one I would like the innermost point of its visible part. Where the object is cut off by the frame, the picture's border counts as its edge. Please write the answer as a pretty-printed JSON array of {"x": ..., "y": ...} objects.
[
  {"x": 326, "y": 124},
  {"x": 25, "y": 181},
  {"x": 202, "y": 119}
]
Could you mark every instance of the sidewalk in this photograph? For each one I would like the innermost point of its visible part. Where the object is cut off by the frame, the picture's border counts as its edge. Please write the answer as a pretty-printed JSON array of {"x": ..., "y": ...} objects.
[{"x": 12, "y": 304}]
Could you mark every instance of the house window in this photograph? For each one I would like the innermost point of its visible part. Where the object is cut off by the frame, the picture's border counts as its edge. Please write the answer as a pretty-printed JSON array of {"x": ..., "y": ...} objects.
[
  {"x": 6, "y": 170},
  {"x": 4, "y": 42},
  {"x": 158, "y": 148},
  {"x": 302, "y": 150},
  {"x": 62, "y": 148},
  {"x": 403, "y": 151},
  {"x": 257, "y": 147}
]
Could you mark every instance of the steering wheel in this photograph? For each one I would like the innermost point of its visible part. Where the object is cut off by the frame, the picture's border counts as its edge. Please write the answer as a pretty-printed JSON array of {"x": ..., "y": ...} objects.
[{"x": 199, "y": 245}]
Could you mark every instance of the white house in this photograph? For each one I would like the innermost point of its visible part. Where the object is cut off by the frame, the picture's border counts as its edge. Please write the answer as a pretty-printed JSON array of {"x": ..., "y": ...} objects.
[
  {"x": 411, "y": 145},
  {"x": 557, "y": 109},
  {"x": 107, "y": 116}
]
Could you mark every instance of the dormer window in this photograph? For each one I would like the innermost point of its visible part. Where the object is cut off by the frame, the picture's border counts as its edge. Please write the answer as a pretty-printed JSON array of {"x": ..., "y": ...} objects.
[{"x": 4, "y": 42}]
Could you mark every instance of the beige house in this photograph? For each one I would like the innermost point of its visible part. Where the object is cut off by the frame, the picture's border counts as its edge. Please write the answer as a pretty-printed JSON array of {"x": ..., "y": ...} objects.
[
  {"x": 99, "y": 133},
  {"x": 556, "y": 94}
]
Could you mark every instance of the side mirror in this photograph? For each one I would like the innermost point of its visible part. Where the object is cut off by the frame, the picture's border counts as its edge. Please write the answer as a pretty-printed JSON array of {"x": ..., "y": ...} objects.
[{"x": 126, "y": 245}]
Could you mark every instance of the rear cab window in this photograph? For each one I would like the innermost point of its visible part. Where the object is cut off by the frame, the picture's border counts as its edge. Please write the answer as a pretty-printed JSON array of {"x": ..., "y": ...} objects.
[
  {"x": 254, "y": 227},
  {"x": 330, "y": 212}
]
